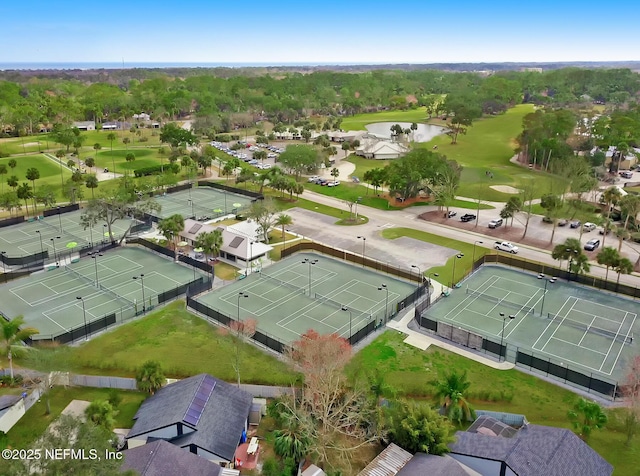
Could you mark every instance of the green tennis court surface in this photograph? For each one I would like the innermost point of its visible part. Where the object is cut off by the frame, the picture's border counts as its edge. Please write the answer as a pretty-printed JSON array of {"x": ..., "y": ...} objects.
[
  {"x": 579, "y": 327},
  {"x": 201, "y": 202},
  {"x": 278, "y": 297},
  {"x": 22, "y": 239},
  {"x": 48, "y": 300}
]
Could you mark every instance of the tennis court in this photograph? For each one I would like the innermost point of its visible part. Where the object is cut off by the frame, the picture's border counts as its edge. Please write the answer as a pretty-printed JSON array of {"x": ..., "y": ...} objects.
[
  {"x": 204, "y": 203},
  {"x": 48, "y": 300},
  {"x": 295, "y": 295},
  {"x": 578, "y": 326},
  {"x": 57, "y": 233}
]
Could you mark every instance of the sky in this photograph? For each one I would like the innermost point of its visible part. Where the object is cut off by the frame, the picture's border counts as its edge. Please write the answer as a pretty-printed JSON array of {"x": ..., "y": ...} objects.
[{"x": 328, "y": 32}]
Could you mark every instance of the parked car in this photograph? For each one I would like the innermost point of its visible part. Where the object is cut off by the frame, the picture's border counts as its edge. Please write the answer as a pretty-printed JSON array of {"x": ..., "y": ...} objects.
[
  {"x": 333, "y": 183},
  {"x": 605, "y": 231},
  {"x": 592, "y": 244},
  {"x": 575, "y": 224},
  {"x": 626, "y": 174},
  {"x": 562, "y": 222},
  {"x": 506, "y": 246},
  {"x": 467, "y": 217},
  {"x": 496, "y": 223},
  {"x": 313, "y": 178},
  {"x": 451, "y": 214},
  {"x": 587, "y": 227}
]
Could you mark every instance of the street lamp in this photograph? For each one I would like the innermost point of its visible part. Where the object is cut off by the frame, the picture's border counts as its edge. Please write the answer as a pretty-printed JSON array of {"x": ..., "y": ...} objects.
[
  {"x": 251, "y": 243},
  {"x": 141, "y": 276},
  {"x": 309, "y": 262},
  {"x": 357, "y": 201},
  {"x": 41, "y": 247},
  {"x": 55, "y": 254},
  {"x": 94, "y": 256},
  {"x": 84, "y": 314},
  {"x": 191, "y": 202},
  {"x": 420, "y": 275},
  {"x": 473, "y": 257},
  {"x": 386, "y": 301},
  {"x": 59, "y": 219},
  {"x": 105, "y": 233},
  {"x": 504, "y": 318},
  {"x": 364, "y": 242},
  {"x": 346, "y": 309},
  {"x": 551, "y": 280},
  {"x": 4, "y": 270},
  {"x": 241, "y": 294},
  {"x": 453, "y": 276},
  {"x": 432, "y": 274}
]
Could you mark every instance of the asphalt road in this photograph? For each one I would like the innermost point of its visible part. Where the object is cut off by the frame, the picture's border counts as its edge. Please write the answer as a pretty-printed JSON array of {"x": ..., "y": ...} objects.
[{"x": 413, "y": 252}]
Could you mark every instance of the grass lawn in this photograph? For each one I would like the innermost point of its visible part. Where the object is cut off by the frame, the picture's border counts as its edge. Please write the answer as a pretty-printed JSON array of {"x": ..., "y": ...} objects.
[
  {"x": 463, "y": 265},
  {"x": 409, "y": 371},
  {"x": 30, "y": 144},
  {"x": 183, "y": 343},
  {"x": 144, "y": 158},
  {"x": 359, "y": 121},
  {"x": 225, "y": 271},
  {"x": 364, "y": 165},
  {"x": 49, "y": 172},
  {"x": 35, "y": 421},
  {"x": 285, "y": 204}
]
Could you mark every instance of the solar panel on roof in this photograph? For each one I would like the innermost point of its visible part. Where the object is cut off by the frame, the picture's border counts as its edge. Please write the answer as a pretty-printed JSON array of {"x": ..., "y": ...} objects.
[
  {"x": 199, "y": 402},
  {"x": 236, "y": 242},
  {"x": 194, "y": 229}
]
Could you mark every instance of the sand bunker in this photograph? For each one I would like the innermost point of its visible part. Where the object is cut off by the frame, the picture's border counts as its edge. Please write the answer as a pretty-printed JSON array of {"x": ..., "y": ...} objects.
[{"x": 505, "y": 189}]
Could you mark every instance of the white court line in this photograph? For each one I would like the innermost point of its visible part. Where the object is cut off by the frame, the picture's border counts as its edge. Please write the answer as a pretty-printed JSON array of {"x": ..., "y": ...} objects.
[
  {"x": 576, "y": 345},
  {"x": 613, "y": 341},
  {"x": 615, "y": 321},
  {"x": 520, "y": 321},
  {"x": 615, "y": 362},
  {"x": 468, "y": 300},
  {"x": 586, "y": 332},
  {"x": 551, "y": 322},
  {"x": 559, "y": 325}
]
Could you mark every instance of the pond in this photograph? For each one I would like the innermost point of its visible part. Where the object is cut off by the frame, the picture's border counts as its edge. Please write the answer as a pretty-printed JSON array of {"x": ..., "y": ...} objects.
[{"x": 425, "y": 132}]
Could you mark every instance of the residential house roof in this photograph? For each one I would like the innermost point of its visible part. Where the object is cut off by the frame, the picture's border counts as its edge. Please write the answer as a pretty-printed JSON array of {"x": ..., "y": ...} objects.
[
  {"x": 388, "y": 462},
  {"x": 218, "y": 424},
  {"x": 423, "y": 464},
  {"x": 375, "y": 146},
  {"x": 7, "y": 401},
  {"x": 535, "y": 450},
  {"x": 160, "y": 458}
]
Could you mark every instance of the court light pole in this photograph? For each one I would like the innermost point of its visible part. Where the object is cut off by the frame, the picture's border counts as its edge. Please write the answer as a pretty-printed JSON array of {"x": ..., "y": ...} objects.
[
  {"x": 364, "y": 242},
  {"x": 346, "y": 309},
  {"x": 191, "y": 202},
  {"x": 420, "y": 275},
  {"x": 357, "y": 201},
  {"x": 251, "y": 243},
  {"x": 551, "y": 280},
  {"x": 59, "y": 219},
  {"x": 84, "y": 315},
  {"x": 141, "y": 277},
  {"x": 386, "y": 301},
  {"x": 55, "y": 253},
  {"x": 105, "y": 233},
  {"x": 572, "y": 253},
  {"x": 309, "y": 262},
  {"x": 241, "y": 295},
  {"x": 41, "y": 246},
  {"x": 94, "y": 256},
  {"x": 453, "y": 275},
  {"x": 504, "y": 318},
  {"x": 473, "y": 257},
  {"x": 432, "y": 274},
  {"x": 4, "y": 270}
]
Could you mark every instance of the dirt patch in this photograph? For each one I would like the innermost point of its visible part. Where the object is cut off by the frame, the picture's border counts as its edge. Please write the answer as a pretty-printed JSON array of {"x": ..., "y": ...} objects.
[
  {"x": 503, "y": 233},
  {"x": 29, "y": 144},
  {"x": 405, "y": 203},
  {"x": 505, "y": 189}
]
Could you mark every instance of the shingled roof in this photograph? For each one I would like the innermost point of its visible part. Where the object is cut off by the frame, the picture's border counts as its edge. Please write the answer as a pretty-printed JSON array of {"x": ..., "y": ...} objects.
[
  {"x": 219, "y": 425},
  {"x": 160, "y": 458},
  {"x": 535, "y": 450}
]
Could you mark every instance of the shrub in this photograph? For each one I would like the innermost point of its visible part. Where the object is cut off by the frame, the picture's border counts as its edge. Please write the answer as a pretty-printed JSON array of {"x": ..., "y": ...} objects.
[{"x": 157, "y": 170}]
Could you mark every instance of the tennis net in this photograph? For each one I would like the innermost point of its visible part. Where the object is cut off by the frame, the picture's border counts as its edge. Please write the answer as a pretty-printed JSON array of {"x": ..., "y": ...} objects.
[
  {"x": 283, "y": 283},
  {"x": 81, "y": 277},
  {"x": 625, "y": 339},
  {"x": 520, "y": 307},
  {"x": 116, "y": 296},
  {"x": 336, "y": 304}
]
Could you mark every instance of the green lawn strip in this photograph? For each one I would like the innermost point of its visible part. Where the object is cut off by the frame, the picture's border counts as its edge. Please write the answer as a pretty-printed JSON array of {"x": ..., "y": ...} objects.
[
  {"x": 36, "y": 421},
  {"x": 364, "y": 165},
  {"x": 29, "y": 144},
  {"x": 358, "y": 122},
  {"x": 49, "y": 172},
  {"x": 409, "y": 371},
  {"x": 285, "y": 204},
  {"x": 457, "y": 203},
  {"x": 144, "y": 158},
  {"x": 182, "y": 342},
  {"x": 463, "y": 265}
]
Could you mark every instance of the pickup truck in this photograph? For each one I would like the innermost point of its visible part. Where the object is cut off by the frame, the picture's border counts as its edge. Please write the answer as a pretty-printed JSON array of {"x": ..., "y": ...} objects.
[{"x": 506, "y": 246}]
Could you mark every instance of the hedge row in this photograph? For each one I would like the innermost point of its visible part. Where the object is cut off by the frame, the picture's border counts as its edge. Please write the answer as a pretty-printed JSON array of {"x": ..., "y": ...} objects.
[{"x": 157, "y": 169}]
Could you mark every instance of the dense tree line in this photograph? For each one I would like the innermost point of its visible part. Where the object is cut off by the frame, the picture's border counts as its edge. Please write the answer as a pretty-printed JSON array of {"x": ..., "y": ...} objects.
[{"x": 228, "y": 100}]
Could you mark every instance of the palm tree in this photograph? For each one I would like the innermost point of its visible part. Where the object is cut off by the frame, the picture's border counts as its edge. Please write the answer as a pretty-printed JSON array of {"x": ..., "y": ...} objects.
[
  {"x": 102, "y": 414},
  {"x": 97, "y": 146},
  {"x": 587, "y": 416},
  {"x": 33, "y": 174},
  {"x": 25, "y": 193},
  {"x": 611, "y": 197},
  {"x": 292, "y": 441},
  {"x": 150, "y": 377},
  {"x": 171, "y": 227},
  {"x": 91, "y": 181},
  {"x": 3, "y": 171},
  {"x": 608, "y": 257},
  {"x": 12, "y": 164},
  {"x": 211, "y": 242},
  {"x": 622, "y": 234},
  {"x": 335, "y": 173},
  {"x": 12, "y": 338},
  {"x": 12, "y": 182},
  {"x": 623, "y": 266},
  {"x": 111, "y": 136},
  {"x": 450, "y": 393},
  {"x": 283, "y": 220}
]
